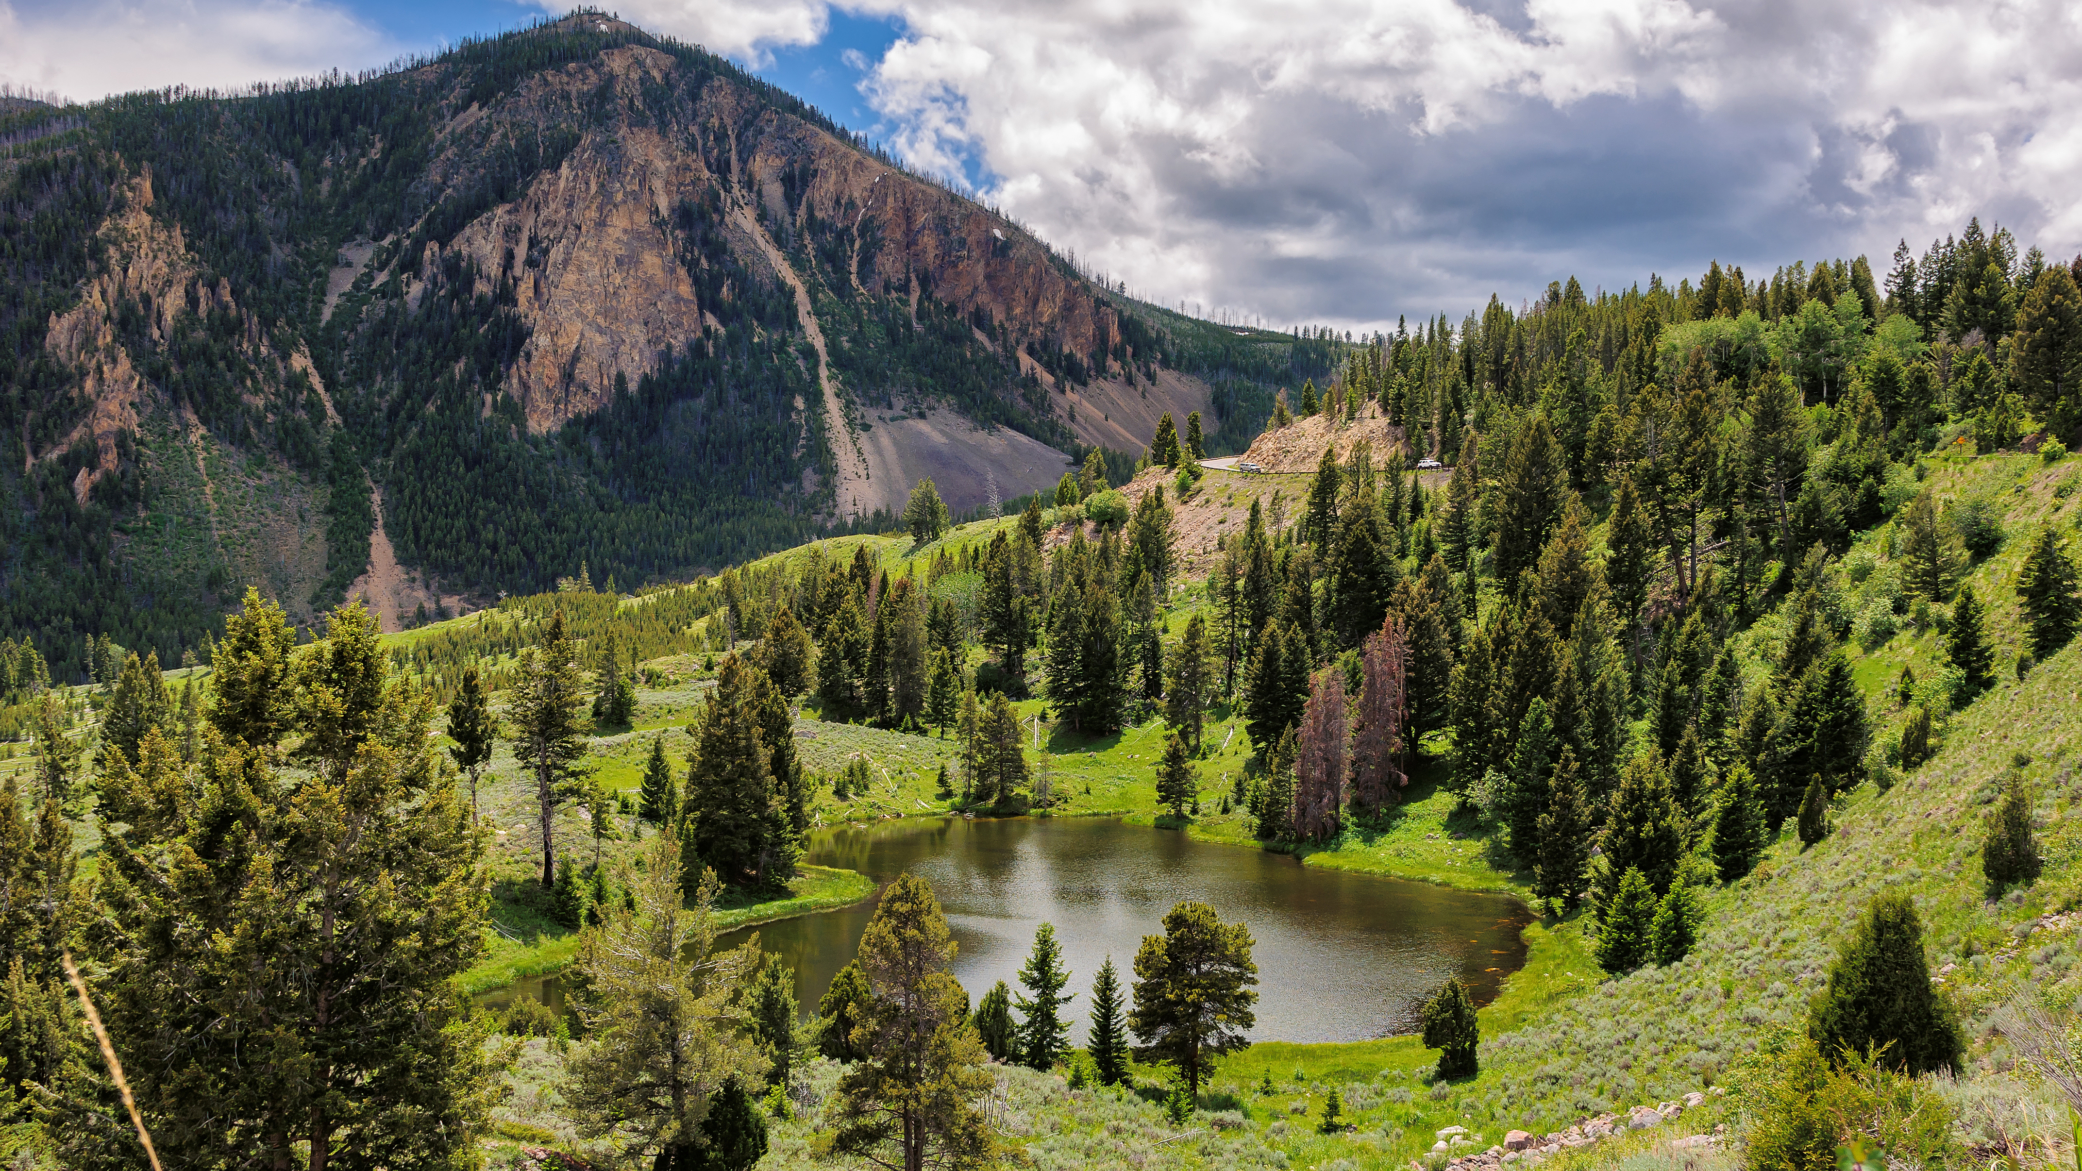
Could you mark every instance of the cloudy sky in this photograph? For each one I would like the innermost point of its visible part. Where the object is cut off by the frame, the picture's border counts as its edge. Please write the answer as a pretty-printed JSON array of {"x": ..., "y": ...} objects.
[{"x": 1335, "y": 161}]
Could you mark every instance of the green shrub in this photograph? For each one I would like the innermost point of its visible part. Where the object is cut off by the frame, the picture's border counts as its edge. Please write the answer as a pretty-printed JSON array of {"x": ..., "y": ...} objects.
[
  {"x": 2053, "y": 451},
  {"x": 529, "y": 1017},
  {"x": 1108, "y": 508},
  {"x": 1803, "y": 1108}
]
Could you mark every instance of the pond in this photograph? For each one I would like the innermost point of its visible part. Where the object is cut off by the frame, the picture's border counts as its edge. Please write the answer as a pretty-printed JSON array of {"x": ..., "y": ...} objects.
[{"x": 1341, "y": 957}]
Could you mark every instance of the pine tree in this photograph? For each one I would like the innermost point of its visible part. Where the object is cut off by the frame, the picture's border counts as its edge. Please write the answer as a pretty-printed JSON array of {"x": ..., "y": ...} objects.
[
  {"x": 2046, "y": 352},
  {"x": 1930, "y": 563},
  {"x": 994, "y": 1023},
  {"x": 925, "y": 514},
  {"x": 1879, "y": 994},
  {"x": 1191, "y": 684},
  {"x": 1163, "y": 447},
  {"x": 841, "y": 1011},
  {"x": 57, "y": 755},
  {"x": 909, "y": 1102},
  {"x": 1644, "y": 830},
  {"x": 1528, "y": 797},
  {"x": 738, "y": 811},
  {"x": 2010, "y": 853},
  {"x": 139, "y": 702},
  {"x": 1043, "y": 1033},
  {"x": 842, "y": 659},
  {"x": 1275, "y": 820},
  {"x": 770, "y": 1005},
  {"x": 1966, "y": 644},
  {"x": 1531, "y": 497},
  {"x": 1738, "y": 825},
  {"x": 1106, "y": 1037},
  {"x": 1451, "y": 1027},
  {"x": 250, "y": 671},
  {"x": 663, "y": 1018},
  {"x": 660, "y": 794},
  {"x": 1823, "y": 732},
  {"x": 232, "y": 978},
  {"x": 473, "y": 728},
  {"x": 1269, "y": 707},
  {"x": 1631, "y": 559},
  {"x": 2046, "y": 592},
  {"x": 1675, "y": 929},
  {"x": 1319, "y": 523},
  {"x": 1193, "y": 992},
  {"x": 1195, "y": 444},
  {"x": 1177, "y": 786},
  {"x": 1002, "y": 757},
  {"x": 1625, "y": 918},
  {"x": 1915, "y": 739},
  {"x": 1067, "y": 494},
  {"x": 1564, "y": 836},
  {"x": 549, "y": 732},
  {"x": 943, "y": 693},
  {"x": 1814, "y": 813},
  {"x": 787, "y": 653}
]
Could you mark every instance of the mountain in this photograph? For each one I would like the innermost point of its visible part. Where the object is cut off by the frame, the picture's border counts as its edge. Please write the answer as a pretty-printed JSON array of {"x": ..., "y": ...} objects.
[{"x": 573, "y": 296}]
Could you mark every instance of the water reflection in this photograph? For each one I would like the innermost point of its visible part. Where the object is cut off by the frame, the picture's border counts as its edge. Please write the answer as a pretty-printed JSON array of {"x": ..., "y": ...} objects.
[{"x": 1340, "y": 956}]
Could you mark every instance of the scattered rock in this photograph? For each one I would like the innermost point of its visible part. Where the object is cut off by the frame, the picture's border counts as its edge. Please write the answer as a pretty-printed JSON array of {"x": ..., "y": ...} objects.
[
  {"x": 1517, "y": 1140},
  {"x": 1645, "y": 1118},
  {"x": 1695, "y": 1099},
  {"x": 1450, "y": 1131}
]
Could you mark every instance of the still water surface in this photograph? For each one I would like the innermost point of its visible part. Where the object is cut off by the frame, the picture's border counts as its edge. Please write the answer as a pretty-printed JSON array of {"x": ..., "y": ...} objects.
[{"x": 1341, "y": 957}]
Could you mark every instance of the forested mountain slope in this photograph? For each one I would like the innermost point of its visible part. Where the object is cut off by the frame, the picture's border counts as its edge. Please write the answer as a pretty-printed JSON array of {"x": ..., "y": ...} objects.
[{"x": 576, "y": 294}]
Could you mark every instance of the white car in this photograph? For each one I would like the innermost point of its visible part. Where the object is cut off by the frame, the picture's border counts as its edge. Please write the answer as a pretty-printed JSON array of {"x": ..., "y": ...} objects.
[
  {"x": 1427, "y": 464},
  {"x": 1248, "y": 466}
]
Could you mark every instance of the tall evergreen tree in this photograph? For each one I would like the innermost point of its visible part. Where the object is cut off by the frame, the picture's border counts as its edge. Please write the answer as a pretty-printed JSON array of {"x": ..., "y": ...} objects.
[
  {"x": 1879, "y": 994},
  {"x": 1191, "y": 685},
  {"x": 910, "y": 1102},
  {"x": 2046, "y": 352},
  {"x": 994, "y": 1023},
  {"x": 1823, "y": 732},
  {"x": 57, "y": 754},
  {"x": 1177, "y": 786},
  {"x": 1626, "y": 915},
  {"x": 138, "y": 703},
  {"x": 2046, "y": 592},
  {"x": 1002, "y": 756},
  {"x": 1270, "y": 707},
  {"x": 549, "y": 728},
  {"x": 666, "y": 1020},
  {"x": 1043, "y": 1033},
  {"x": 1163, "y": 446},
  {"x": 1107, "y": 1035},
  {"x": 787, "y": 654},
  {"x": 1930, "y": 562},
  {"x": 1814, "y": 813},
  {"x": 925, "y": 514},
  {"x": 250, "y": 671},
  {"x": 235, "y": 979},
  {"x": 1562, "y": 871},
  {"x": 1631, "y": 557},
  {"x": 1275, "y": 820},
  {"x": 1528, "y": 797},
  {"x": 1644, "y": 830},
  {"x": 1319, "y": 524},
  {"x": 473, "y": 728},
  {"x": 1531, "y": 497},
  {"x": 1196, "y": 448},
  {"x": 1738, "y": 825},
  {"x": 842, "y": 1009},
  {"x": 943, "y": 693},
  {"x": 738, "y": 812},
  {"x": 660, "y": 793},
  {"x": 1193, "y": 992}
]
